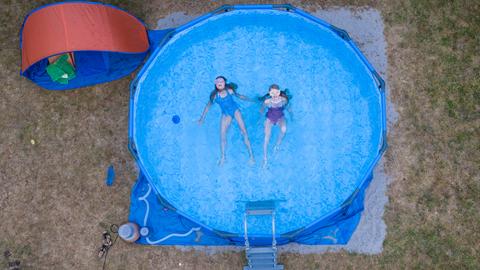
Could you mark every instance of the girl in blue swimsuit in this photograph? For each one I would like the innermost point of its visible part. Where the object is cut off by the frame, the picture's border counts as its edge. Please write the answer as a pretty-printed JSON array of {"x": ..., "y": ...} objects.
[{"x": 223, "y": 95}]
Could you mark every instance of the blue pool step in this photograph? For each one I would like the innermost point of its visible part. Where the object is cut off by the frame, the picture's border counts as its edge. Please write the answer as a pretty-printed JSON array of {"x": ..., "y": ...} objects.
[
  {"x": 260, "y": 251},
  {"x": 261, "y": 258},
  {"x": 278, "y": 267}
]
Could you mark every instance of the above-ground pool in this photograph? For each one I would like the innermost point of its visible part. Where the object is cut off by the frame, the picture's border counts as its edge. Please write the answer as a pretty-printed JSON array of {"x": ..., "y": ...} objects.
[{"x": 334, "y": 134}]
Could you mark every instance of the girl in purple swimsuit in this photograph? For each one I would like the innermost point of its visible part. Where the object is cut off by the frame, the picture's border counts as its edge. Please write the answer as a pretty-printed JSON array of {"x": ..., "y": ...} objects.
[
  {"x": 223, "y": 95},
  {"x": 276, "y": 101}
]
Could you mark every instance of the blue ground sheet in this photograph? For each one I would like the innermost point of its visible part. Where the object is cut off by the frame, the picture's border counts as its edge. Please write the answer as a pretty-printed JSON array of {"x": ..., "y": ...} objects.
[{"x": 167, "y": 227}]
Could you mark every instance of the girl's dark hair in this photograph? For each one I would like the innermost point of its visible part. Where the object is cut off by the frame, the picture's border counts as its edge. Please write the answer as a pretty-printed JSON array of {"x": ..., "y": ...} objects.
[
  {"x": 274, "y": 86},
  {"x": 283, "y": 93},
  {"x": 232, "y": 86}
]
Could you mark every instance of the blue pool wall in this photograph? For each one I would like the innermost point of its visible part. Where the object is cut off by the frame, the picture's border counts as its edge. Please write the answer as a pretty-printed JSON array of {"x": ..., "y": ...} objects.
[
  {"x": 335, "y": 227},
  {"x": 169, "y": 227}
]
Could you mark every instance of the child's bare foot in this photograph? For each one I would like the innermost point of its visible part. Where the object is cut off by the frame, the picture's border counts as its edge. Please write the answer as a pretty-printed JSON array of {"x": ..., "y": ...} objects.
[
  {"x": 251, "y": 161},
  {"x": 221, "y": 161},
  {"x": 265, "y": 162}
]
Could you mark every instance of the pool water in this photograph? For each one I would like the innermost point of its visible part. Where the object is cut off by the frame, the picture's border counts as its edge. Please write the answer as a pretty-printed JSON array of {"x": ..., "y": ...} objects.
[{"x": 332, "y": 137}]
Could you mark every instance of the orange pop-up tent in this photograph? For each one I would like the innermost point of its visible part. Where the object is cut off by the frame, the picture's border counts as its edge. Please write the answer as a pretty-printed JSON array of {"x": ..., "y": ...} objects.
[{"x": 105, "y": 42}]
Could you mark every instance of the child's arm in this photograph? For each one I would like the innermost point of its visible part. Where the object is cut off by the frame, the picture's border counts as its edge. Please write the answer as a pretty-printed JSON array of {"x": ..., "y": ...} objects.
[
  {"x": 204, "y": 113},
  {"x": 265, "y": 104},
  {"x": 242, "y": 97},
  {"x": 245, "y": 98}
]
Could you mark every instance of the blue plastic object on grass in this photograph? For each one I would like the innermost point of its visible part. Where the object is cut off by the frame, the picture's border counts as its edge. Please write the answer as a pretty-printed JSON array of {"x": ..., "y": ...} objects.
[{"x": 110, "y": 176}]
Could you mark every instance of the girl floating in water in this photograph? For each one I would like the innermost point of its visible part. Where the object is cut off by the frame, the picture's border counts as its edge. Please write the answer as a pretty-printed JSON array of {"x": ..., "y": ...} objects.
[
  {"x": 276, "y": 101},
  {"x": 223, "y": 95}
]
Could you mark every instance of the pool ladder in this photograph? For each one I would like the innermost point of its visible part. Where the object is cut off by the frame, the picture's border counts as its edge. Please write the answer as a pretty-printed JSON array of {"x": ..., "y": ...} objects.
[{"x": 262, "y": 257}]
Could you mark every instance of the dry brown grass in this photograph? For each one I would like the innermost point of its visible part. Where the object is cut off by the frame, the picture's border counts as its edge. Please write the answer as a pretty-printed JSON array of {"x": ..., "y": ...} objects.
[
  {"x": 433, "y": 216},
  {"x": 54, "y": 204}
]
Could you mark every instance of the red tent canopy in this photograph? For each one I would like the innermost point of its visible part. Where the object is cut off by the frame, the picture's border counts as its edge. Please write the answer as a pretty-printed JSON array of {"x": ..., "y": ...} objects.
[{"x": 70, "y": 27}]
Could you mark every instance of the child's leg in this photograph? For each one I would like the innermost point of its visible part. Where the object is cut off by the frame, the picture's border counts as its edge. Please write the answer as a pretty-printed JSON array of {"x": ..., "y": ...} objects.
[
  {"x": 268, "y": 133},
  {"x": 225, "y": 122},
  {"x": 282, "y": 123},
  {"x": 241, "y": 125}
]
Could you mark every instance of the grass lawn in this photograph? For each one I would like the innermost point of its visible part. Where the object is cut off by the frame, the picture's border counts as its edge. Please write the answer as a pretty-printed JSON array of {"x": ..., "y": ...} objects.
[{"x": 54, "y": 204}]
